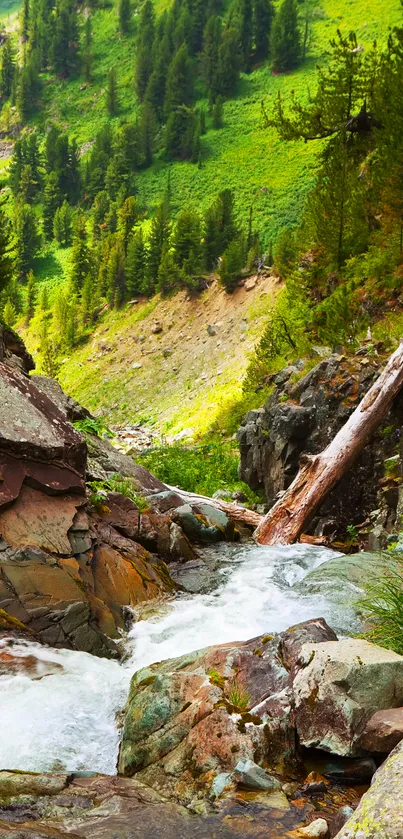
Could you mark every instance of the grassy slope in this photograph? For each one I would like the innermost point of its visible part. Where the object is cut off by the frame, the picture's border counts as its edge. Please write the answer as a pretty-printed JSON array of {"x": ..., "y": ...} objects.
[
  {"x": 184, "y": 390},
  {"x": 242, "y": 155}
]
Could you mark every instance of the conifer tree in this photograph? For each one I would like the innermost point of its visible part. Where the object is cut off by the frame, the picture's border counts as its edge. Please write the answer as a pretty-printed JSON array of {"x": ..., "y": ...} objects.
[
  {"x": 231, "y": 265},
  {"x": 87, "y": 52},
  {"x": 144, "y": 60},
  {"x": 180, "y": 134},
  {"x": 136, "y": 264},
  {"x": 25, "y": 19},
  {"x": 147, "y": 133},
  {"x": 229, "y": 62},
  {"x": 127, "y": 217},
  {"x": 209, "y": 56},
  {"x": 187, "y": 242},
  {"x": 27, "y": 236},
  {"x": 81, "y": 257},
  {"x": 63, "y": 225},
  {"x": 124, "y": 16},
  {"x": 116, "y": 276},
  {"x": 179, "y": 89},
  {"x": 51, "y": 201},
  {"x": 244, "y": 16},
  {"x": 169, "y": 274},
  {"x": 158, "y": 239},
  {"x": 9, "y": 315},
  {"x": 263, "y": 15},
  {"x": 65, "y": 39},
  {"x": 7, "y": 69},
  {"x": 285, "y": 41},
  {"x": 31, "y": 297},
  {"x": 218, "y": 112},
  {"x": 7, "y": 254},
  {"x": 112, "y": 93}
]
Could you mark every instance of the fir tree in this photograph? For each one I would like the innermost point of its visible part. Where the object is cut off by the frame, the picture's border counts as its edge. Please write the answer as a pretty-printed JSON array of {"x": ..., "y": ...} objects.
[
  {"x": 180, "y": 133},
  {"x": 285, "y": 41},
  {"x": 187, "y": 242},
  {"x": 116, "y": 276},
  {"x": 28, "y": 237},
  {"x": 112, "y": 93},
  {"x": 229, "y": 62},
  {"x": 124, "y": 16},
  {"x": 87, "y": 52},
  {"x": 158, "y": 239},
  {"x": 7, "y": 69},
  {"x": 209, "y": 56},
  {"x": 65, "y": 39},
  {"x": 9, "y": 314},
  {"x": 147, "y": 134},
  {"x": 179, "y": 89},
  {"x": 244, "y": 15},
  {"x": 231, "y": 265},
  {"x": 81, "y": 257},
  {"x": 7, "y": 255},
  {"x": 144, "y": 60},
  {"x": 218, "y": 112},
  {"x": 168, "y": 273},
  {"x": 30, "y": 298},
  {"x": 25, "y": 20},
  {"x": 263, "y": 15},
  {"x": 63, "y": 225},
  {"x": 127, "y": 217},
  {"x": 136, "y": 264},
  {"x": 51, "y": 202}
]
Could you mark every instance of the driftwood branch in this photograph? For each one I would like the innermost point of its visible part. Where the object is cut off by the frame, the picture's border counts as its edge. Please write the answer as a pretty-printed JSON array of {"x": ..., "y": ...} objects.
[{"x": 285, "y": 522}]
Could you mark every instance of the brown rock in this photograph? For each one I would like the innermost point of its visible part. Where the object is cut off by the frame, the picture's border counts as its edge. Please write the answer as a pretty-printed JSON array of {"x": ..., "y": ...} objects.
[
  {"x": 383, "y": 731},
  {"x": 40, "y": 521}
]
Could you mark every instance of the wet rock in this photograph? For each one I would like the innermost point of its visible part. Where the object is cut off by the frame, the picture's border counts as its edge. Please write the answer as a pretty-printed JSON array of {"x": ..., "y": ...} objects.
[
  {"x": 317, "y": 829},
  {"x": 180, "y": 547},
  {"x": 221, "y": 782},
  {"x": 340, "y": 686},
  {"x": 294, "y": 638},
  {"x": 341, "y": 817},
  {"x": 197, "y": 529},
  {"x": 383, "y": 731},
  {"x": 164, "y": 501},
  {"x": 380, "y": 812},
  {"x": 20, "y": 783},
  {"x": 248, "y": 774}
]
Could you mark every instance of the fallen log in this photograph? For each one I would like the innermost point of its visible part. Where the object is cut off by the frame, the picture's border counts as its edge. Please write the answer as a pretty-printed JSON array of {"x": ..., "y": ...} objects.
[
  {"x": 287, "y": 519},
  {"x": 234, "y": 511}
]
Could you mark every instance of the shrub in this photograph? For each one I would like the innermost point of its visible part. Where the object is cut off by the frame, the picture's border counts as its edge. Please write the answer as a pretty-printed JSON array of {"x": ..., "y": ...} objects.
[{"x": 383, "y": 607}]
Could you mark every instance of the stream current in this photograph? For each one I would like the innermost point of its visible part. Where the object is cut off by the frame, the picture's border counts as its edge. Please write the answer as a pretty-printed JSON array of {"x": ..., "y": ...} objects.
[{"x": 67, "y": 719}]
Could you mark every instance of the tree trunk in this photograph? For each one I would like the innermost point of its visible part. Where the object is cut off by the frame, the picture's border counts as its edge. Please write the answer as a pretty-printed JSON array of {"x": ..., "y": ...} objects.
[
  {"x": 285, "y": 522},
  {"x": 233, "y": 511}
]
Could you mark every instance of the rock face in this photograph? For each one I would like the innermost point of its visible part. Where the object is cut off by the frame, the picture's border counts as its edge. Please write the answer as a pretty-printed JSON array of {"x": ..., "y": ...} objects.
[
  {"x": 195, "y": 717},
  {"x": 383, "y": 731},
  {"x": 301, "y": 417},
  {"x": 380, "y": 813},
  {"x": 340, "y": 686}
]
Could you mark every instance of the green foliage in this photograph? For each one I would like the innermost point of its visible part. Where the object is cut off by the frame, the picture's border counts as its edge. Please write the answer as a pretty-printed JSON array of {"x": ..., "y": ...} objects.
[
  {"x": 125, "y": 11},
  {"x": 202, "y": 469},
  {"x": 382, "y": 606},
  {"x": 112, "y": 93},
  {"x": 231, "y": 264},
  {"x": 238, "y": 697},
  {"x": 122, "y": 485},
  {"x": 285, "y": 43},
  {"x": 92, "y": 425}
]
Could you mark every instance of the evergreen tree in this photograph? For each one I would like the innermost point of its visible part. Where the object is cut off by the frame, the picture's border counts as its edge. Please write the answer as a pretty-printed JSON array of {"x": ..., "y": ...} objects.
[
  {"x": 144, "y": 60},
  {"x": 147, "y": 134},
  {"x": 231, "y": 264},
  {"x": 7, "y": 69},
  {"x": 156, "y": 86},
  {"x": 158, "y": 239},
  {"x": 229, "y": 62},
  {"x": 116, "y": 276},
  {"x": 51, "y": 202},
  {"x": 220, "y": 227},
  {"x": 187, "y": 242},
  {"x": 169, "y": 274},
  {"x": 244, "y": 16},
  {"x": 9, "y": 314},
  {"x": 124, "y": 16},
  {"x": 27, "y": 236},
  {"x": 285, "y": 41},
  {"x": 179, "y": 89},
  {"x": 112, "y": 94},
  {"x": 218, "y": 112},
  {"x": 263, "y": 15},
  {"x": 127, "y": 217},
  {"x": 180, "y": 134},
  {"x": 31, "y": 298},
  {"x": 7, "y": 255},
  {"x": 63, "y": 225},
  {"x": 87, "y": 53},
  {"x": 88, "y": 301},
  {"x": 64, "y": 52},
  {"x": 81, "y": 257},
  {"x": 209, "y": 57},
  {"x": 25, "y": 20},
  {"x": 27, "y": 185},
  {"x": 136, "y": 264}
]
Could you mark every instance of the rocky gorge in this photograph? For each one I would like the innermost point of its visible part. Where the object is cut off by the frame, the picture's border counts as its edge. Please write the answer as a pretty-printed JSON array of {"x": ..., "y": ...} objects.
[{"x": 161, "y": 674}]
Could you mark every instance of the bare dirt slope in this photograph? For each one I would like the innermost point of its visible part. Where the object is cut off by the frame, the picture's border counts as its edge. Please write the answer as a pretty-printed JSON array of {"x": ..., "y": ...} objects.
[{"x": 177, "y": 361}]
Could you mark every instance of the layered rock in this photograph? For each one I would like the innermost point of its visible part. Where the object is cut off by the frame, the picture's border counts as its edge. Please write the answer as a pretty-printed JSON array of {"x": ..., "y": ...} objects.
[{"x": 300, "y": 417}]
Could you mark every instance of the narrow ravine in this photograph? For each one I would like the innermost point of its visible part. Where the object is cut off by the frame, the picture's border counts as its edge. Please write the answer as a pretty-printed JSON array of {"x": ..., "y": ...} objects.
[{"x": 67, "y": 719}]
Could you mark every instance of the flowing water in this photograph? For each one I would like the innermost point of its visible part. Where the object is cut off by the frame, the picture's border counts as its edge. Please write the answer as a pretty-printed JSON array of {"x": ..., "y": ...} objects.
[{"x": 67, "y": 719}]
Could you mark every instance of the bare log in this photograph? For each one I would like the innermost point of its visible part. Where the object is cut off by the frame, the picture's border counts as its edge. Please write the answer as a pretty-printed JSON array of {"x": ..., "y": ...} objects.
[
  {"x": 284, "y": 523},
  {"x": 233, "y": 511}
]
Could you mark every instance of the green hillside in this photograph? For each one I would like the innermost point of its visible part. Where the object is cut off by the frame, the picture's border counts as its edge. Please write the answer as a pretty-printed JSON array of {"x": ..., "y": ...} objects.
[{"x": 241, "y": 156}]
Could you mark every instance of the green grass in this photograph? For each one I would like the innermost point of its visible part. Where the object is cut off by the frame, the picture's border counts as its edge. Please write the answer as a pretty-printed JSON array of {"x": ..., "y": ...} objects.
[
  {"x": 242, "y": 155},
  {"x": 382, "y": 607}
]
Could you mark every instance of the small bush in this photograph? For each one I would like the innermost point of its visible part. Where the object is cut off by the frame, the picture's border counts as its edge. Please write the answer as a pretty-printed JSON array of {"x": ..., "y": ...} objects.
[
  {"x": 117, "y": 483},
  {"x": 382, "y": 606}
]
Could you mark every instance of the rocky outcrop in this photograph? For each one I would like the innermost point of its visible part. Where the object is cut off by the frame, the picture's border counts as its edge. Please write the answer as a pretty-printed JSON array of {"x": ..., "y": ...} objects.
[
  {"x": 300, "y": 417},
  {"x": 195, "y": 717},
  {"x": 380, "y": 813},
  {"x": 338, "y": 688}
]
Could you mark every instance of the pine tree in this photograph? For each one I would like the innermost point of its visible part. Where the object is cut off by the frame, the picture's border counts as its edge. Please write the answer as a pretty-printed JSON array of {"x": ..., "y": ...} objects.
[
  {"x": 209, "y": 57},
  {"x": 116, "y": 276},
  {"x": 25, "y": 16},
  {"x": 7, "y": 255},
  {"x": 88, "y": 301},
  {"x": 63, "y": 225},
  {"x": 229, "y": 62},
  {"x": 87, "y": 53},
  {"x": 64, "y": 51},
  {"x": 112, "y": 94},
  {"x": 27, "y": 185},
  {"x": 127, "y": 217},
  {"x": 263, "y": 15},
  {"x": 231, "y": 265},
  {"x": 147, "y": 134},
  {"x": 179, "y": 89},
  {"x": 7, "y": 69},
  {"x": 169, "y": 274},
  {"x": 51, "y": 201},
  {"x": 285, "y": 41},
  {"x": 180, "y": 134},
  {"x": 9, "y": 314},
  {"x": 158, "y": 239},
  {"x": 27, "y": 236},
  {"x": 136, "y": 264},
  {"x": 218, "y": 112},
  {"x": 81, "y": 257},
  {"x": 124, "y": 16},
  {"x": 244, "y": 16},
  {"x": 220, "y": 227},
  {"x": 187, "y": 242},
  {"x": 31, "y": 297},
  {"x": 144, "y": 59}
]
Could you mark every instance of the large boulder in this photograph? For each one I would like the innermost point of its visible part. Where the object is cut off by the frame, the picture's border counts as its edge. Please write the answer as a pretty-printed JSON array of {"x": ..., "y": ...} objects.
[
  {"x": 340, "y": 685},
  {"x": 380, "y": 813},
  {"x": 193, "y": 718}
]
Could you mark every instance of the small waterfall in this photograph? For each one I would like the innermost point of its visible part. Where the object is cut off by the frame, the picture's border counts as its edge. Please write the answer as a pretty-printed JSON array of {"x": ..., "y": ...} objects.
[{"x": 67, "y": 718}]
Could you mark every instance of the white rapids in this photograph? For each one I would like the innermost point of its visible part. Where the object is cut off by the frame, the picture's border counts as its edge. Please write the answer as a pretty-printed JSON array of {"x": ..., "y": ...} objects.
[{"x": 67, "y": 720}]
